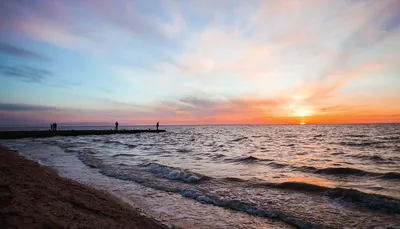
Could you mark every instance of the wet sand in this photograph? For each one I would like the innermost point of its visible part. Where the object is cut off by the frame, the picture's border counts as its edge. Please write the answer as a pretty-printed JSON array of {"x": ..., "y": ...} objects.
[{"x": 33, "y": 196}]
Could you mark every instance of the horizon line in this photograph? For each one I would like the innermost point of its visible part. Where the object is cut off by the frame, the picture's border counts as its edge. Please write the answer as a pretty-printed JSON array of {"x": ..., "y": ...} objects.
[{"x": 207, "y": 124}]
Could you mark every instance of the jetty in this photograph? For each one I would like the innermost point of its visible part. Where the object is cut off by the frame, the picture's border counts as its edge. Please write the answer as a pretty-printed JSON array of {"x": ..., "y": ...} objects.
[{"x": 45, "y": 134}]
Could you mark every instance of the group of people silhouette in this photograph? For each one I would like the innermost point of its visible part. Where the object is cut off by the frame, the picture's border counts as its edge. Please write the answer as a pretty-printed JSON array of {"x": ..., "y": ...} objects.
[
  {"x": 53, "y": 126},
  {"x": 116, "y": 125}
]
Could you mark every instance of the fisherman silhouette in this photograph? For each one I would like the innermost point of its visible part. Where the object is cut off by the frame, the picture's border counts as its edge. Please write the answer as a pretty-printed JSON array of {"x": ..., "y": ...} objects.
[
  {"x": 116, "y": 125},
  {"x": 157, "y": 125}
]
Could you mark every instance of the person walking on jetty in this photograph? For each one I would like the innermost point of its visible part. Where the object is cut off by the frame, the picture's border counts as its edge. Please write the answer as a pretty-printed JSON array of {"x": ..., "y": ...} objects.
[
  {"x": 157, "y": 125},
  {"x": 116, "y": 125}
]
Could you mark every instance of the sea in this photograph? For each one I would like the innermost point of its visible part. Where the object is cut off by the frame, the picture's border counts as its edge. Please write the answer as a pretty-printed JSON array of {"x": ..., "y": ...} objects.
[{"x": 240, "y": 176}]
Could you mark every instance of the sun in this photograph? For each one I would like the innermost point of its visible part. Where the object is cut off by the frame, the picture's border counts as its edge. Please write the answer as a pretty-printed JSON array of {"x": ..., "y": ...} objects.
[{"x": 302, "y": 123}]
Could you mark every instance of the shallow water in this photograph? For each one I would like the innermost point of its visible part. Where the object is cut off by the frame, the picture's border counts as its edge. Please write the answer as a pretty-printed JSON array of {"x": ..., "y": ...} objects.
[{"x": 246, "y": 176}]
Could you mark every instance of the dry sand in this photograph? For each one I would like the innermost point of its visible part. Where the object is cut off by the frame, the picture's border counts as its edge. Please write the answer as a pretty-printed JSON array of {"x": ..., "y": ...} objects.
[{"x": 33, "y": 196}]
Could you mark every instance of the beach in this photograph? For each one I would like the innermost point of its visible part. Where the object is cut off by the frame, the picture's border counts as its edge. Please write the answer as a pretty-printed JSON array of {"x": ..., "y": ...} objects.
[{"x": 33, "y": 196}]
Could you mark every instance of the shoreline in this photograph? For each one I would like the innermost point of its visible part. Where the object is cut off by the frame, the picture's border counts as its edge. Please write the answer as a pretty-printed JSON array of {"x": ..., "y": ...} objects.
[{"x": 34, "y": 196}]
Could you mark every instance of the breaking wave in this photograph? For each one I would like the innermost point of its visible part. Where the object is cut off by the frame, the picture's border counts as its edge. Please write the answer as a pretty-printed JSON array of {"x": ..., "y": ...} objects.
[
  {"x": 247, "y": 159},
  {"x": 172, "y": 173}
]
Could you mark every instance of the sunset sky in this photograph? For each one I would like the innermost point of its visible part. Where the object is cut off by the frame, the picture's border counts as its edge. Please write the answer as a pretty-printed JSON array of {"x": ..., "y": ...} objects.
[{"x": 199, "y": 62}]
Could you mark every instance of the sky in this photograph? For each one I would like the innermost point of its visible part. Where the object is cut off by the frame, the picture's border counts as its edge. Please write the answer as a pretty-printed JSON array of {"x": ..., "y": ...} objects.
[{"x": 199, "y": 62}]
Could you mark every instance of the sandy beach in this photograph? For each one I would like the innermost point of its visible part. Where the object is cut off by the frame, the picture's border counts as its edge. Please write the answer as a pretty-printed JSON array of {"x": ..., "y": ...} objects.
[{"x": 33, "y": 196}]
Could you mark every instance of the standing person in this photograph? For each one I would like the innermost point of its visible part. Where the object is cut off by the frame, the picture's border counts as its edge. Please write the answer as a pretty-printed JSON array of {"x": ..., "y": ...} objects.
[
  {"x": 55, "y": 126},
  {"x": 157, "y": 125},
  {"x": 51, "y": 127},
  {"x": 116, "y": 125}
]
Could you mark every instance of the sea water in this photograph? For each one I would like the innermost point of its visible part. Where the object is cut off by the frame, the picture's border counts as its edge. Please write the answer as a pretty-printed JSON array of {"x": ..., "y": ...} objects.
[{"x": 241, "y": 176}]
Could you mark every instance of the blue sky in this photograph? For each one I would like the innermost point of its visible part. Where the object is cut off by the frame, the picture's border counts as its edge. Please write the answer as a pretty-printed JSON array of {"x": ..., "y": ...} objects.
[{"x": 196, "y": 62}]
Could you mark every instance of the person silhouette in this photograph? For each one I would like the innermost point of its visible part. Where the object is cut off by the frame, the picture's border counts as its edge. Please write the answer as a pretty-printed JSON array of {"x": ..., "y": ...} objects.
[
  {"x": 51, "y": 127},
  {"x": 116, "y": 125},
  {"x": 157, "y": 125},
  {"x": 55, "y": 126}
]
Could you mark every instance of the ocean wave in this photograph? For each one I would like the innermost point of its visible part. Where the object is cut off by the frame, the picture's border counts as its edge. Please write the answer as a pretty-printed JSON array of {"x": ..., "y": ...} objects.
[
  {"x": 172, "y": 173},
  {"x": 190, "y": 186},
  {"x": 234, "y": 179},
  {"x": 299, "y": 186},
  {"x": 131, "y": 146},
  {"x": 183, "y": 150},
  {"x": 391, "y": 175},
  {"x": 306, "y": 168},
  {"x": 375, "y": 158},
  {"x": 205, "y": 195},
  {"x": 391, "y": 138},
  {"x": 343, "y": 171},
  {"x": 356, "y": 135},
  {"x": 219, "y": 155},
  {"x": 246, "y": 159},
  {"x": 239, "y": 139},
  {"x": 123, "y": 155},
  {"x": 112, "y": 141},
  {"x": 371, "y": 157},
  {"x": 277, "y": 165},
  {"x": 337, "y": 153},
  {"x": 248, "y": 207},
  {"x": 363, "y": 144},
  {"x": 374, "y": 201},
  {"x": 88, "y": 158}
]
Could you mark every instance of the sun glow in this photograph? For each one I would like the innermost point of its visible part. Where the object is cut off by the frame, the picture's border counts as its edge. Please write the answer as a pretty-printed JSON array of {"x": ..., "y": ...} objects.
[
  {"x": 302, "y": 112},
  {"x": 302, "y": 123}
]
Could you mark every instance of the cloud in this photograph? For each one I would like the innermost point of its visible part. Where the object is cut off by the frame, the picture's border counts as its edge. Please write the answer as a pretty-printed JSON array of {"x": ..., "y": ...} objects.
[
  {"x": 125, "y": 15},
  {"x": 20, "y": 52},
  {"x": 41, "y": 76},
  {"x": 70, "y": 24},
  {"x": 12, "y": 120},
  {"x": 218, "y": 110},
  {"x": 320, "y": 89},
  {"x": 24, "y": 107},
  {"x": 379, "y": 21},
  {"x": 26, "y": 73}
]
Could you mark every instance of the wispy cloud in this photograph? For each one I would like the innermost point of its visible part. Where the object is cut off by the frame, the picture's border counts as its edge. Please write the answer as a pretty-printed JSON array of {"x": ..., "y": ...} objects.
[
  {"x": 379, "y": 21},
  {"x": 20, "y": 52},
  {"x": 61, "y": 22},
  {"x": 222, "y": 110},
  {"x": 24, "y": 107},
  {"x": 26, "y": 73}
]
